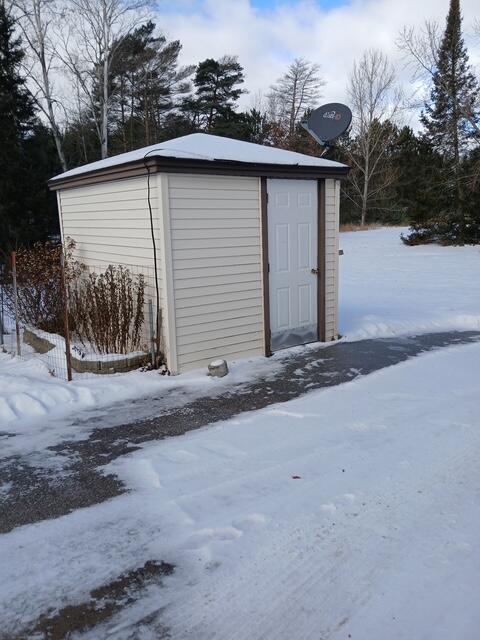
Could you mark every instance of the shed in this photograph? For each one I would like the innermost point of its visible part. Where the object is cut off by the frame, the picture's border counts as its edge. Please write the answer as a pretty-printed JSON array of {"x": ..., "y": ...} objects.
[{"x": 246, "y": 240}]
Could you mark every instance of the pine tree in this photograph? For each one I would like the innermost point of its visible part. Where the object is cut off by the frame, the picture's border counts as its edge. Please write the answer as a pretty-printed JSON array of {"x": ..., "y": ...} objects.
[
  {"x": 449, "y": 122},
  {"x": 25, "y": 215},
  {"x": 417, "y": 163},
  {"x": 16, "y": 115},
  {"x": 217, "y": 89},
  {"x": 147, "y": 84}
]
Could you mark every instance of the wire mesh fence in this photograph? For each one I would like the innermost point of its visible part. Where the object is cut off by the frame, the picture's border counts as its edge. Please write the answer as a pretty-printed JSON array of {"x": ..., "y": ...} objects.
[{"x": 77, "y": 318}]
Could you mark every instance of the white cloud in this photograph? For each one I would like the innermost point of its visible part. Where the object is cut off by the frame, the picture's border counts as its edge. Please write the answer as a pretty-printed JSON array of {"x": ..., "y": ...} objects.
[{"x": 266, "y": 41}]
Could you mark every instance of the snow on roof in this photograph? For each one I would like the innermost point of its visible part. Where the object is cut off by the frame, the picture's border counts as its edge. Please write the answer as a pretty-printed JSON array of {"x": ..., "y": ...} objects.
[{"x": 201, "y": 146}]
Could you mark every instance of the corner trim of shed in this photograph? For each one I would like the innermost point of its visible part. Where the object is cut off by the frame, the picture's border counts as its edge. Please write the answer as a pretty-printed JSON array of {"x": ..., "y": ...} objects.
[{"x": 321, "y": 194}]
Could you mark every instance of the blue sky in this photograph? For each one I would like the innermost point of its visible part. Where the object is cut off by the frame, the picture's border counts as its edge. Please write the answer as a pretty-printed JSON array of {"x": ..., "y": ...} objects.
[
  {"x": 187, "y": 6},
  {"x": 271, "y": 4}
]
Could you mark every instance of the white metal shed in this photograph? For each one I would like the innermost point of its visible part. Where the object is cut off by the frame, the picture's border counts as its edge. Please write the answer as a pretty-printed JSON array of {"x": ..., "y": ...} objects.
[{"x": 246, "y": 240}]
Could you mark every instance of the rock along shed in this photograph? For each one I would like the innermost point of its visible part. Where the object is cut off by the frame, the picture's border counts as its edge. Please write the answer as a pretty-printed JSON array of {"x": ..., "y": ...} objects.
[{"x": 246, "y": 240}]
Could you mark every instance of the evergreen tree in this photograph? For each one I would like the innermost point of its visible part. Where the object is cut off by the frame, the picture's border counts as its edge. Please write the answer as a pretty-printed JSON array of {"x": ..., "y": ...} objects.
[
  {"x": 256, "y": 127},
  {"x": 20, "y": 211},
  {"x": 147, "y": 84},
  {"x": 417, "y": 163},
  {"x": 80, "y": 140},
  {"x": 217, "y": 90},
  {"x": 449, "y": 122}
]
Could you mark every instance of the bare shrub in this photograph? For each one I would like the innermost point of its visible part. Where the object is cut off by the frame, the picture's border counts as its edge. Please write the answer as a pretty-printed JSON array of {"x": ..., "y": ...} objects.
[
  {"x": 107, "y": 310},
  {"x": 39, "y": 285}
]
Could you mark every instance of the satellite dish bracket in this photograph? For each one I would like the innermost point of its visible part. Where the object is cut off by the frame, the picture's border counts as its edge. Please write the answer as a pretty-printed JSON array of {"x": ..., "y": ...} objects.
[
  {"x": 323, "y": 143},
  {"x": 313, "y": 134}
]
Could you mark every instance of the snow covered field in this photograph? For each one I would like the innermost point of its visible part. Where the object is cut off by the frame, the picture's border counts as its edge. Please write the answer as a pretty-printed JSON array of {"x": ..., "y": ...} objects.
[
  {"x": 386, "y": 289},
  {"x": 389, "y": 289},
  {"x": 348, "y": 513}
]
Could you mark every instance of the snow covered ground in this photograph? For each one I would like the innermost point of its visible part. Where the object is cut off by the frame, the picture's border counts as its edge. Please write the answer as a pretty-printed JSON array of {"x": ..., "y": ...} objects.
[
  {"x": 351, "y": 512},
  {"x": 386, "y": 289},
  {"x": 39, "y": 411},
  {"x": 348, "y": 513},
  {"x": 389, "y": 289}
]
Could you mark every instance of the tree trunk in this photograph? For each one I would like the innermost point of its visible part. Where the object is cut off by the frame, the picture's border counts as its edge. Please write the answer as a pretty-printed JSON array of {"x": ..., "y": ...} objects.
[
  {"x": 364, "y": 212},
  {"x": 46, "y": 86},
  {"x": 459, "y": 213},
  {"x": 366, "y": 180},
  {"x": 122, "y": 111},
  {"x": 51, "y": 116},
  {"x": 104, "y": 108},
  {"x": 291, "y": 119},
  {"x": 147, "y": 116}
]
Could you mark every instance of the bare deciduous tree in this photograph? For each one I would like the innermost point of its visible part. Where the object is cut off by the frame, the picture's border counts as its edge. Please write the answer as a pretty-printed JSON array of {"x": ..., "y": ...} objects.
[
  {"x": 375, "y": 102},
  {"x": 421, "y": 47},
  {"x": 96, "y": 29},
  {"x": 294, "y": 93},
  {"x": 37, "y": 19}
]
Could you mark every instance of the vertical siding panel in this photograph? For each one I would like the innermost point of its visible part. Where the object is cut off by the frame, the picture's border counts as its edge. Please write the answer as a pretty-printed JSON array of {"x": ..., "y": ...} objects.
[
  {"x": 226, "y": 200},
  {"x": 169, "y": 324}
]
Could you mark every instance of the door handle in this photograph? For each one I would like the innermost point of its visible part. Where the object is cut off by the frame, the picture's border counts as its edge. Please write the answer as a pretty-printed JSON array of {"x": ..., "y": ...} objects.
[{"x": 315, "y": 272}]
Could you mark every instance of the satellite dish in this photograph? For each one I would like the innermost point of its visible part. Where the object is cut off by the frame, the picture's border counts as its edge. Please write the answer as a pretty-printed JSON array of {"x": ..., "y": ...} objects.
[{"x": 328, "y": 122}]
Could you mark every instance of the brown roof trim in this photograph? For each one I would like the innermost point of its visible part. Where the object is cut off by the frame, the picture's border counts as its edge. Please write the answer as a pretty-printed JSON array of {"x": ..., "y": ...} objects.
[{"x": 159, "y": 164}]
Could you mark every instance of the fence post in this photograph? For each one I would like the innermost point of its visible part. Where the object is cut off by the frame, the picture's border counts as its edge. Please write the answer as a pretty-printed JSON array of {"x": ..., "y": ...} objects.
[
  {"x": 68, "y": 353},
  {"x": 15, "y": 301},
  {"x": 2, "y": 323}
]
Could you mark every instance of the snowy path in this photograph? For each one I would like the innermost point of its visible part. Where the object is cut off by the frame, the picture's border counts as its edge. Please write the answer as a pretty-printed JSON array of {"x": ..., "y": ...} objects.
[
  {"x": 353, "y": 510},
  {"x": 49, "y": 471}
]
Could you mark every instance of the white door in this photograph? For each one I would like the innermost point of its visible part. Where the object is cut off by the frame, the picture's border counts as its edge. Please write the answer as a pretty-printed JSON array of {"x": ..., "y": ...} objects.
[{"x": 292, "y": 254}]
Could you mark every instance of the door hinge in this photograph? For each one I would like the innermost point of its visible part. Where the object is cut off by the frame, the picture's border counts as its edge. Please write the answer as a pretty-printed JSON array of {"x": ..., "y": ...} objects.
[
  {"x": 266, "y": 198},
  {"x": 268, "y": 267}
]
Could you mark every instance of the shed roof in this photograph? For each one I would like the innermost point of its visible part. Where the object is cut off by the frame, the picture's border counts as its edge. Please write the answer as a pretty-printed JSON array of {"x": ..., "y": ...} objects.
[{"x": 202, "y": 148}]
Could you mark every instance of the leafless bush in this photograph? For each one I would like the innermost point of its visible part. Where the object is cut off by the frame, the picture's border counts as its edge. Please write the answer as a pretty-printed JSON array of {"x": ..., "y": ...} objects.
[
  {"x": 107, "y": 309},
  {"x": 39, "y": 285}
]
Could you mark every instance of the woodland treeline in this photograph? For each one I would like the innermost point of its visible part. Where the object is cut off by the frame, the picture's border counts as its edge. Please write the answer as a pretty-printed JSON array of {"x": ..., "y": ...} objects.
[{"x": 81, "y": 80}]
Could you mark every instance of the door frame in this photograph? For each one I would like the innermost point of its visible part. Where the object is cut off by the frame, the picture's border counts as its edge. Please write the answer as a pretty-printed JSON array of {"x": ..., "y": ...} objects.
[{"x": 321, "y": 332}]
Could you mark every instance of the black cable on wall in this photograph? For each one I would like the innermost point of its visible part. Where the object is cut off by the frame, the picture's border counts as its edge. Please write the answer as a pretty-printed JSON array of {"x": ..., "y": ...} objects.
[{"x": 154, "y": 246}]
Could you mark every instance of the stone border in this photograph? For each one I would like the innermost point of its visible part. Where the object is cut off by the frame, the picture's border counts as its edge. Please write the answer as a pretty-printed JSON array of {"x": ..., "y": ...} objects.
[{"x": 42, "y": 345}]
